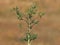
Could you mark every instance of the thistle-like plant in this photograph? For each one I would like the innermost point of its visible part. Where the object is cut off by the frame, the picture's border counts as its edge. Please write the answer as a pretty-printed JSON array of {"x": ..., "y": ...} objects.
[{"x": 28, "y": 18}]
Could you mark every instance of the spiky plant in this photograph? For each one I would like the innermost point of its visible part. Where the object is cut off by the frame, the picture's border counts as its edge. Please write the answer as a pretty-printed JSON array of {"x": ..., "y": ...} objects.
[{"x": 28, "y": 18}]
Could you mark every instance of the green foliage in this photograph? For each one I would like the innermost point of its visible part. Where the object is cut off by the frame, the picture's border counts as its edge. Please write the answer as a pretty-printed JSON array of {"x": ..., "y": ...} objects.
[
  {"x": 31, "y": 37},
  {"x": 34, "y": 22},
  {"x": 41, "y": 14},
  {"x": 19, "y": 14},
  {"x": 29, "y": 20},
  {"x": 31, "y": 11}
]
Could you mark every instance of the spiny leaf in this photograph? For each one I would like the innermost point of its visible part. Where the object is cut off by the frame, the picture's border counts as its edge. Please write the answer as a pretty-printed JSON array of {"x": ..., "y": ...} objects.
[
  {"x": 26, "y": 37},
  {"x": 19, "y": 14},
  {"x": 33, "y": 6},
  {"x": 31, "y": 10},
  {"x": 41, "y": 14},
  {"x": 33, "y": 36},
  {"x": 34, "y": 22}
]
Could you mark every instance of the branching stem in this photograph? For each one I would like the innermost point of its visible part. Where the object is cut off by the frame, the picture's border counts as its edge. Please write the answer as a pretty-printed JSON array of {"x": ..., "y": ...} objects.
[{"x": 29, "y": 31}]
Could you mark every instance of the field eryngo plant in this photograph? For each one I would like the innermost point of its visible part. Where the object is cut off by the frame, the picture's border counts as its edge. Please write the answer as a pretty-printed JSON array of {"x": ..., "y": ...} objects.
[{"x": 28, "y": 18}]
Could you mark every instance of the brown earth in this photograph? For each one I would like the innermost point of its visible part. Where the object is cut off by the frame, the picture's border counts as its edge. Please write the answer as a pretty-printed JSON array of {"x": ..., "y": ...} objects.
[{"x": 48, "y": 29}]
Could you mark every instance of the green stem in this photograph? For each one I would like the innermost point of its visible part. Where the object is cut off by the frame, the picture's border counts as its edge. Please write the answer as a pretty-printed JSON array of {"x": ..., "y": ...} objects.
[
  {"x": 29, "y": 32},
  {"x": 28, "y": 40}
]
